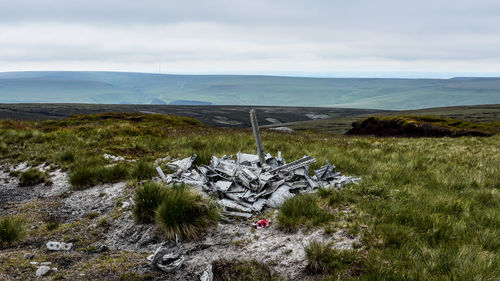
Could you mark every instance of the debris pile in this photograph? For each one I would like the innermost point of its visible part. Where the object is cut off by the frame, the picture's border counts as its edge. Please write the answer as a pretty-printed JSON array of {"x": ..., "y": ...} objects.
[
  {"x": 251, "y": 182},
  {"x": 244, "y": 186}
]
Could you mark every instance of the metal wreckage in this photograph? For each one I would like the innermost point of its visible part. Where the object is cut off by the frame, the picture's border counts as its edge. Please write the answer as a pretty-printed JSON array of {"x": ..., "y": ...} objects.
[{"x": 248, "y": 183}]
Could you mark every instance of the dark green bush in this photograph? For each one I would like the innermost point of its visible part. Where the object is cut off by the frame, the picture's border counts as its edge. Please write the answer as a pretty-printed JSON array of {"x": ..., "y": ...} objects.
[
  {"x": 321, "y": 259},
  {"x": 301, "y": 210},
  {"x": 185, "y": 213},
  {"x": 33, "y": 176},
  {"x": 11, "y": 229},
  {"x": 147, "y": 199}
]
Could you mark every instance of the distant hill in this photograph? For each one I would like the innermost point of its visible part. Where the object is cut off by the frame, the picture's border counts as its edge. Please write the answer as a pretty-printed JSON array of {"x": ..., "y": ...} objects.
[
  {"x": 142, "y": 88},
  {"x": 189, "y": 102}
]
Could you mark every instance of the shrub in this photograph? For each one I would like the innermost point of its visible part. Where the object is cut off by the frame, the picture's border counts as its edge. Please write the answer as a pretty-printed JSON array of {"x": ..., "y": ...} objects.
[
  {"x": 185, "y": 213},
  {"x": 11, "y": 229},
  {"x": 32, "y": 176},
  {"x": 225, "y": 270},
  {"x": 321, "y": 259},
  {"x": 301, "y": 210},
  {"x": 147, "y": 199}
]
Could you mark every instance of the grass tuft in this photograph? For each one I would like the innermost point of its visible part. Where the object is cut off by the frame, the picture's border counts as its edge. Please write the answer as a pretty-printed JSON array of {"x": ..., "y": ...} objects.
[
  {"x": 33, "y": 176},
  {"x": 142, "y": 170},
  {"x": 301, "y": 210},
  {"x": 186, "y": 213},
  {"x": 147, "y": 199},
  {"x": 11, "y": 229},
  {"x": 245, "y": 270},
  {"x": 321, "y": 259}
]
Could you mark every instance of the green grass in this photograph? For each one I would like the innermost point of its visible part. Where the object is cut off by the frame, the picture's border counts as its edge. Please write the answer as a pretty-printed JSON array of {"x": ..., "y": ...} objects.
[
  {"x": 11, "y": 229},
  {"x": 322, "y": 259},
  {"x": 300, "y": 210},
  {"x": 243, "y": 270},
  {"x": 33, "y": 176},
  {"x": 148, "y": 198},
  {"x": 186, "y": 213},
  {"x": 430, "y": 207}
]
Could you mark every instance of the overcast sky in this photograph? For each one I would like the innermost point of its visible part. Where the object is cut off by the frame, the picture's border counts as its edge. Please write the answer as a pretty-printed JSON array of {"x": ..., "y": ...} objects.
[{"x": 314, "y": 38}]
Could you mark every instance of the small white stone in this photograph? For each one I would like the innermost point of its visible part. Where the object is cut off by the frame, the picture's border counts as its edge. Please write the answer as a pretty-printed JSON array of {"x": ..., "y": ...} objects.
[
  {"x": 42, "y": 270},
  {"x": 33, "y": 263},
  {"x": 46, "y": 263},
  {"x": 126, "y": 205},
  {"x": 54, "y": 269}
]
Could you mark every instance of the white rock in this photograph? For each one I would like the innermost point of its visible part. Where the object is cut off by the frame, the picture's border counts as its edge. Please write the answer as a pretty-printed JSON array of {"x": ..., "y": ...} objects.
[
  {"x": 42, "y": 270},
  {"x": 46, "y": 263},
  {"x": 283, "y": 129},
  {"x": 126, "y": 205},
  {"x": 33, "y": 263},
  {"x": 57, "y": 246}
]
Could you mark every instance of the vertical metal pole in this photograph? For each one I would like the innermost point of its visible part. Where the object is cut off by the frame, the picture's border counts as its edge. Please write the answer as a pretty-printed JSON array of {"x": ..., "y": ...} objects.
[{"x": 256, "y": 135}]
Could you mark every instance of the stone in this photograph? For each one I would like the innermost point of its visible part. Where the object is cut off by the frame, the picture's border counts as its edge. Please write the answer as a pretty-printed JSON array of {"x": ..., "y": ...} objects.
[
  {"x": 126, "y": 205},
  {"x": 42, "y": 270},
  {"x": 29, "y": 256},
  {"x": 283, "y": 129},
  {"x": 46, "y": 263},
  {"x": 207, "y": 275},
  {"x": 57, "y": 246}
]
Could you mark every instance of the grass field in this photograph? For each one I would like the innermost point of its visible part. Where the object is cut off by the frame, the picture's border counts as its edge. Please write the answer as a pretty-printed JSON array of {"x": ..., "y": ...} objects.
[{"x": 426, "y": 208}]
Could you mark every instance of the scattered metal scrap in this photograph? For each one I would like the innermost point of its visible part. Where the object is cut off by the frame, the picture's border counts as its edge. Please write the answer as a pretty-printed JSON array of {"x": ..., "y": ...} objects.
[
  {"x": 250, "y": 182},
  {"x": 243, "y": 187}
]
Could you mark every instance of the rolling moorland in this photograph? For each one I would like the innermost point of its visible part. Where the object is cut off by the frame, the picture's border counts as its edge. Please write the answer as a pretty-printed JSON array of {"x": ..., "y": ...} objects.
[
  {"x": 425, "y": 209},
  {"x": 143, "y": 88}
]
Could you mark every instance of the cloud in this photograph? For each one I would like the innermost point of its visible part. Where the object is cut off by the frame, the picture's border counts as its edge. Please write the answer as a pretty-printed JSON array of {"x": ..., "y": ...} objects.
[{"x": 251, "y": 36}]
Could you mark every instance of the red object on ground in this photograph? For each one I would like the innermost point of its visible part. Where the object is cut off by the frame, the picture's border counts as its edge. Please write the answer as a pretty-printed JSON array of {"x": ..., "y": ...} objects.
[{"x": 262, "y": 224}]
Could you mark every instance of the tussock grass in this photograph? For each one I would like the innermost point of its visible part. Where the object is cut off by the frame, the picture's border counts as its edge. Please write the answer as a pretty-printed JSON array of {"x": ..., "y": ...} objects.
[
  {"x": 300, "y": 210},
  {"x": 148, "y": 198},
  {"x": 33, "y": 176},
  {"x": 67, "y": 156},
  {"x": 11, "y": 229},
  {"x": 83, "y": 176},
  {"x": 142, "y": 170},
  {"x": 243, "y": 270},
  {"x": 185, "y": 213},
  {"x": 321, "y": 259}
]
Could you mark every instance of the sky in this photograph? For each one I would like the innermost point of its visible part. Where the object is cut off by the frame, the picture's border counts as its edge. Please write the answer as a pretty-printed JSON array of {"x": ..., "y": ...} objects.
[{"x": 425, "y": 38}]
